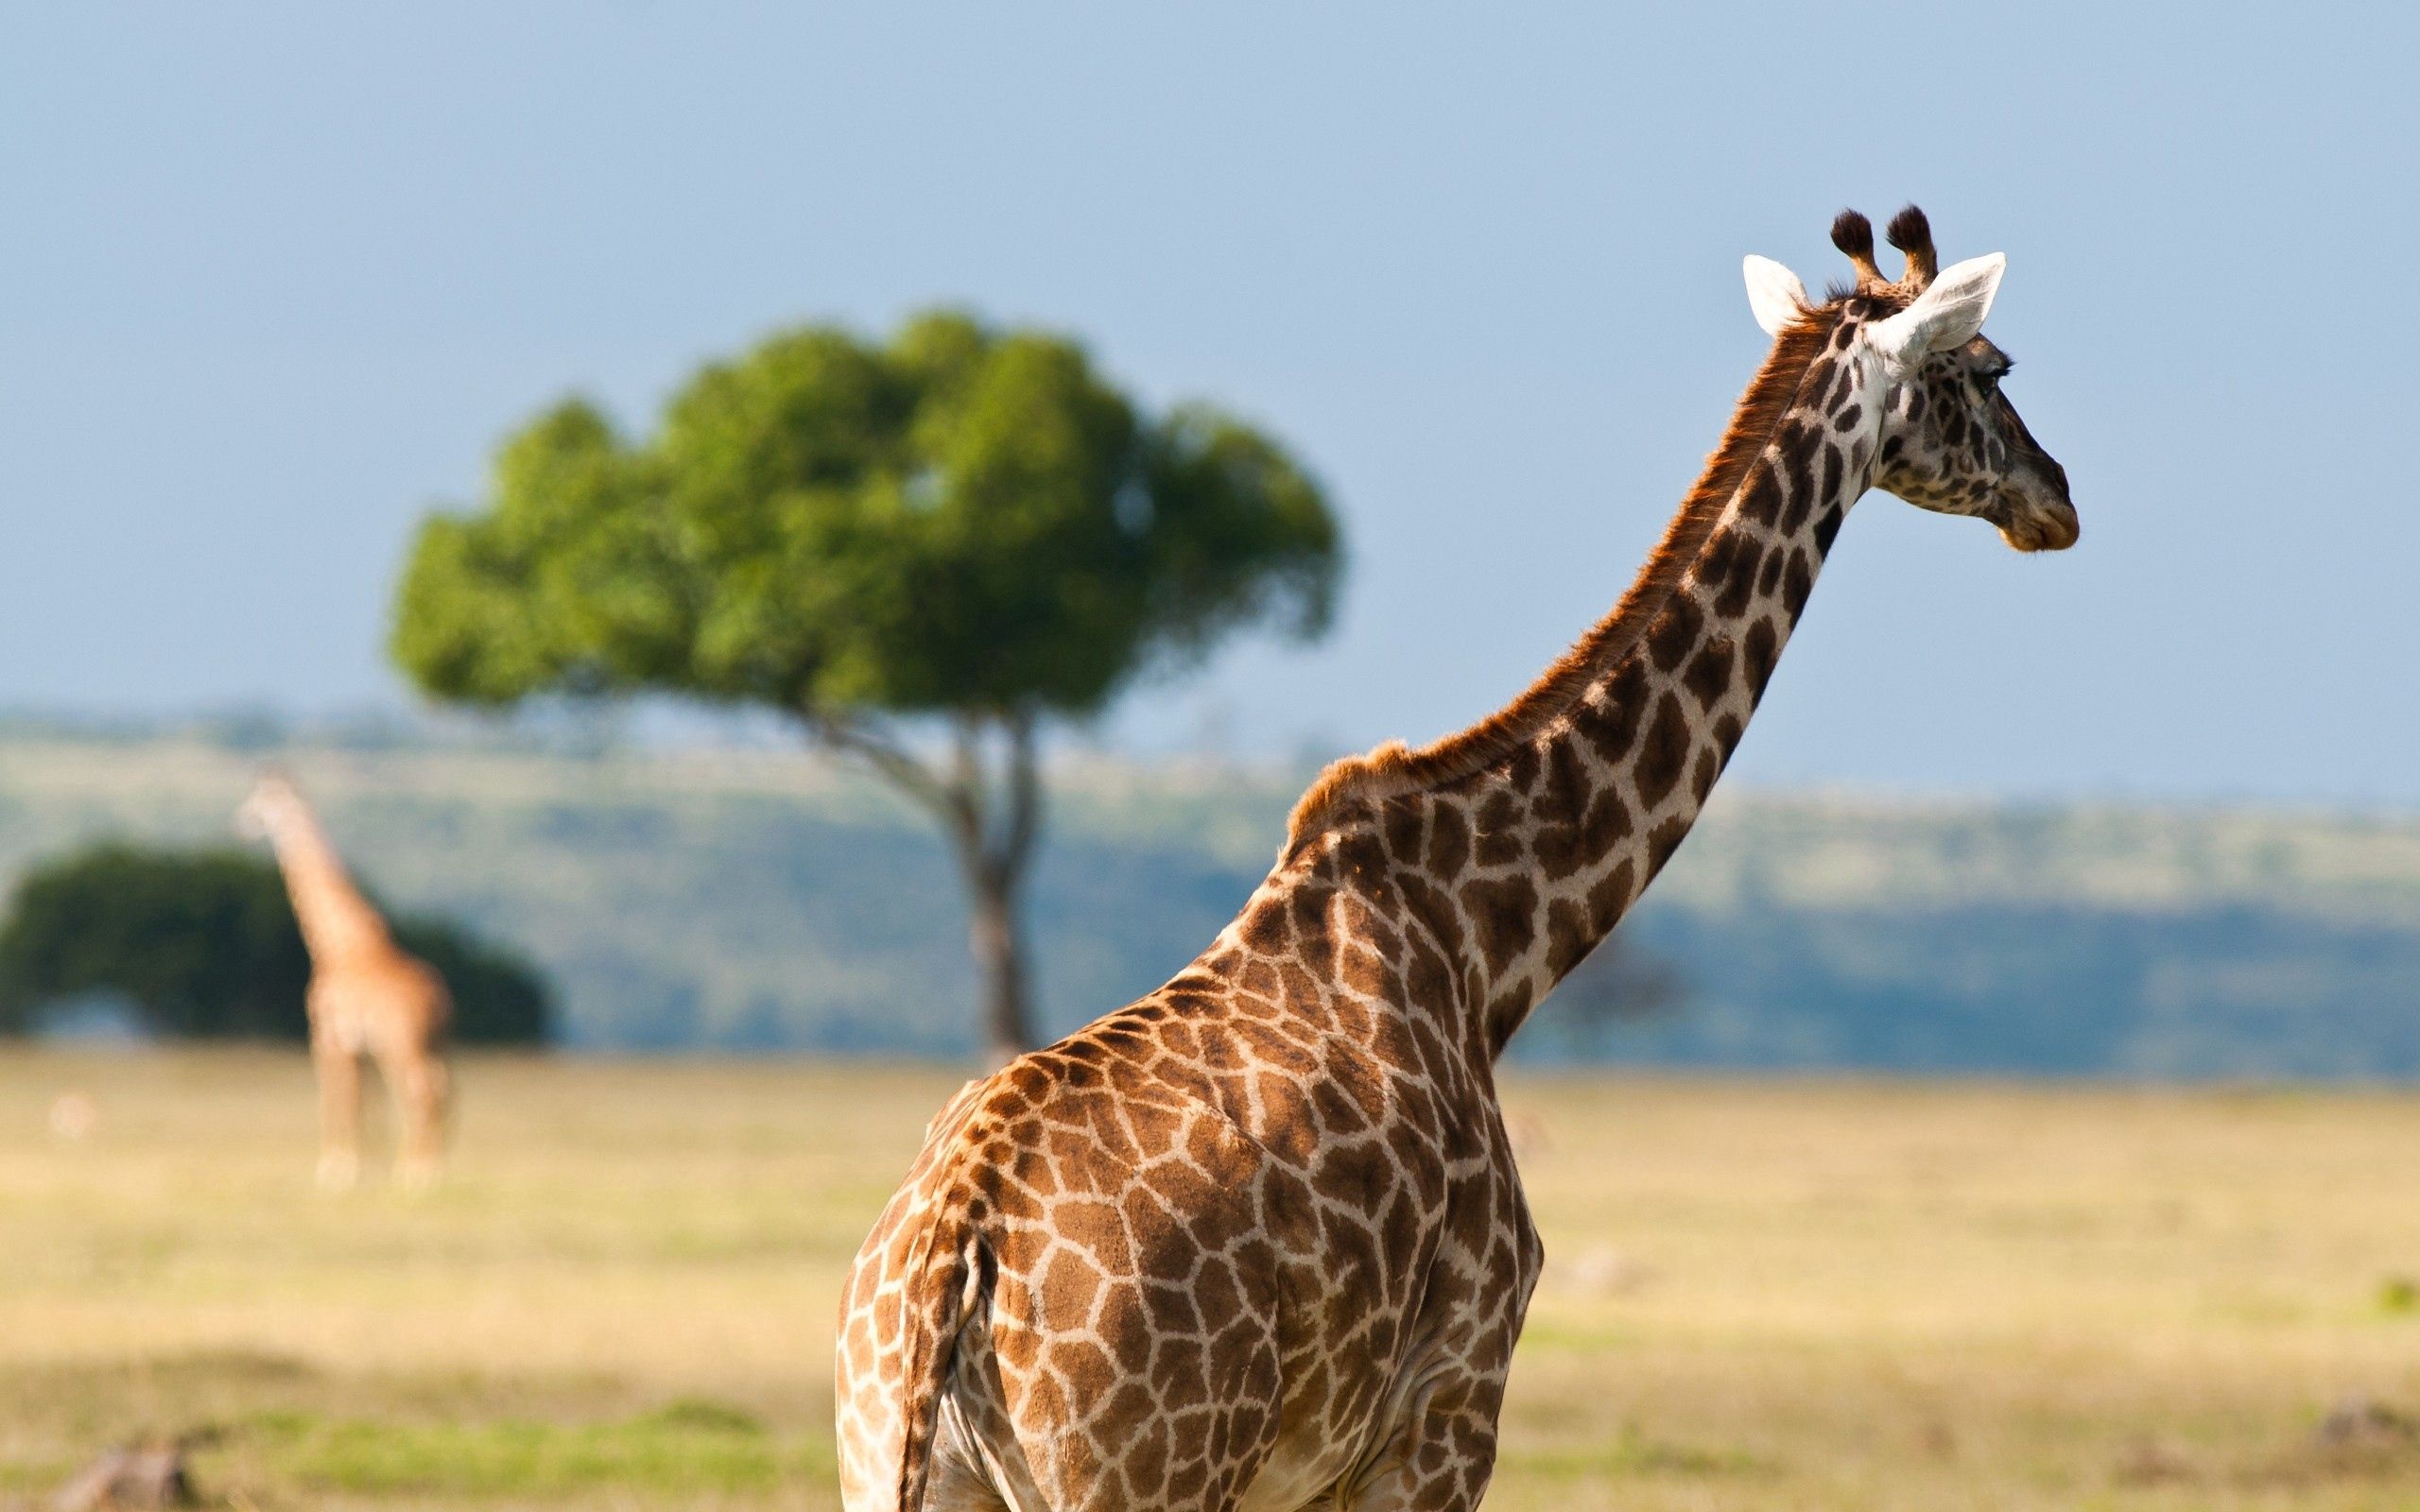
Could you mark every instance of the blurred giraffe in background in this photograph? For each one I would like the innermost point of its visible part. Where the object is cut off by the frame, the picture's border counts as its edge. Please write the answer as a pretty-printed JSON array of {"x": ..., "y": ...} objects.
[
  {"x": 1257, "y": 1242},
  {"x": 368, "y": 996}
]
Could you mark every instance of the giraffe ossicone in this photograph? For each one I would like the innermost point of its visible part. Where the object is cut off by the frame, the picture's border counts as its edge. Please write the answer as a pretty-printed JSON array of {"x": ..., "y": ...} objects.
[{"x": 1257, "y": 1242}]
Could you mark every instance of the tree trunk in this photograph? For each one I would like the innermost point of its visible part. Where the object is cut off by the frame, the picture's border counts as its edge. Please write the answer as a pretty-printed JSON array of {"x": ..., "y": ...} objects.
[
  {"x": 997, "y": 938},
  {"x": 993, "y": 820},
  {"x": 995, "y": 844}
]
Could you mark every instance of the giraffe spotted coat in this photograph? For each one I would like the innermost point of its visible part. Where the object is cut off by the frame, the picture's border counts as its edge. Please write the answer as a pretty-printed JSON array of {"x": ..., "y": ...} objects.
[{"x": 1256, "y": 1240}]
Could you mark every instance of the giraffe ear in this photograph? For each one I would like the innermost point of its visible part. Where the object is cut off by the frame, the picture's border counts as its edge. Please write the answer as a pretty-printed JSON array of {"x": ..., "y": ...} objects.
[
  {"x": 1947, "y": 314},
  {"x": 1775, "y": 296}
]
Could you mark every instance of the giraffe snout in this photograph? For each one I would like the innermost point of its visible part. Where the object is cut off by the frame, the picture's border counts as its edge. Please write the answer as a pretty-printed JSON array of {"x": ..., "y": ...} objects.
[
  {"x": 2041, "y": 524},
  {"x": 2035, "y": 511}
]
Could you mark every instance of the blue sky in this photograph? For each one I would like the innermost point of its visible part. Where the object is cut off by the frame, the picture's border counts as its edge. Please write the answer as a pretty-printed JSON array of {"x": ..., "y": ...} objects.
[{"x": 273, "y": 279}]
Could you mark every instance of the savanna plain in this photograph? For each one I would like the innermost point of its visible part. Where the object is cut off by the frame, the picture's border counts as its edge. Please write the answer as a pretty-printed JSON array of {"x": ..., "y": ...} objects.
[{"x": 1759, "y": 1294}]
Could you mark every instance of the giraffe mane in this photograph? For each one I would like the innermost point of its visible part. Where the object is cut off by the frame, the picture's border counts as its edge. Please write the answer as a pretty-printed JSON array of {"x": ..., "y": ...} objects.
[{"x": 1396, "y": 769}]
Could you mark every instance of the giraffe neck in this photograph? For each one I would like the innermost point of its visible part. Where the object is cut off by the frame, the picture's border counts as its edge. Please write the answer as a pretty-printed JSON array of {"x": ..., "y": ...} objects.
[
  {"x": 338, "y": 921},
  {"x": 1524, "y": 841}
]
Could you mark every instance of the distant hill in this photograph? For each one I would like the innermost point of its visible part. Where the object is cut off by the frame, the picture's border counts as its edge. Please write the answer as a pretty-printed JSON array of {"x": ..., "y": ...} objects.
[{"x": 745, "y": 901}]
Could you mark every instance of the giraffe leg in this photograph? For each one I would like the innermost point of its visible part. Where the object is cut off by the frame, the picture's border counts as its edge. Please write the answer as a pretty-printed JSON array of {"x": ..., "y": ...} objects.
[
  {"x": 1190, "y": 1446},
  {"x": 1441, "y": 1460},
  {"x": 962, "y": 1480},
  {"x": 1154, "y": 1383},
  {"x": 418, "y": 1083},
  {"x": 339, "y": 1074}
]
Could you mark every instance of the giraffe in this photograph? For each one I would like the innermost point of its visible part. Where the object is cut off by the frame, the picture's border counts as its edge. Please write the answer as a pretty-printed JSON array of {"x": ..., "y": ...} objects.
[
  {"x": 368, "y": 996},
  {"x": 1257, "y": 1242}
]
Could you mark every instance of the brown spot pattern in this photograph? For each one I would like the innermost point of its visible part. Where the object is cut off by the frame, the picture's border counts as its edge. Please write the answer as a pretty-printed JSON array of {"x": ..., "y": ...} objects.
[{"x": 1091, "y": 1254}]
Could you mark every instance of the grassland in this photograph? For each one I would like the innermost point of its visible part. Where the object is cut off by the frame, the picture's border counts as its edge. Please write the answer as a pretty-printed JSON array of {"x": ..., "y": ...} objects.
[{"x": 1760, "y": 1294}]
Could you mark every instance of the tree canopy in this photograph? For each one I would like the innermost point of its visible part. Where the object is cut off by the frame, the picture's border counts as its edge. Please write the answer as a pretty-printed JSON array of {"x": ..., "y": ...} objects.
[
  {"x": 963, "y": 527},
  {"x": 203, "y": 944},
  {"x": 961, "y": 519}
]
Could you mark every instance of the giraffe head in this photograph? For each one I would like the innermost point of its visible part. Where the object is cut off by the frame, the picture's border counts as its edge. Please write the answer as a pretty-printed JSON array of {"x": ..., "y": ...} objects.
[
  {"x": 1950, "y": 440},
  {"x": 273, "y": 804}
]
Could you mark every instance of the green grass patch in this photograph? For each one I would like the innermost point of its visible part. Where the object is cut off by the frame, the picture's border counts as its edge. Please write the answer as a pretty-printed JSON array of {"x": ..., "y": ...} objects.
[
  {"x": 27, "y": 1478},
  {"x": 692, "y": 1445}
]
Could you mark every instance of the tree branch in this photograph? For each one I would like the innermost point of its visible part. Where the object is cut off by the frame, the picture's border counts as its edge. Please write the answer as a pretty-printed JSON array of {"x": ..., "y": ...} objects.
[
  {"x": 885, "y": 756},
  {"x": 963, "y": 798}
]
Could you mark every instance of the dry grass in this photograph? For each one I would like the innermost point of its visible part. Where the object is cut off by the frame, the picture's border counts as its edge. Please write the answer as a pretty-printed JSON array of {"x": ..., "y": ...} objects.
[{"x": 1768, "y": 1294}]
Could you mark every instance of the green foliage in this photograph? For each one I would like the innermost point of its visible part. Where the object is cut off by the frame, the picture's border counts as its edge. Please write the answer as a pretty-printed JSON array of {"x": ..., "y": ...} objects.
[
  {"x": 963, "y": 520},
  {"x": 965, "y": 523},
  {"x": 203, "y": 944}
]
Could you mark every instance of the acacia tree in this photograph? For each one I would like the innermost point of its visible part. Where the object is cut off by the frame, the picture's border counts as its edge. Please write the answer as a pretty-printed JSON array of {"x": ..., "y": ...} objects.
[{"x": 922, "y": 551}]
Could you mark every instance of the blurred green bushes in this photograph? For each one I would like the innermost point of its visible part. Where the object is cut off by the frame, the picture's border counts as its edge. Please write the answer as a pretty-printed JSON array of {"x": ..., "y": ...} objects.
[{"x": 201, "y": 944}]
